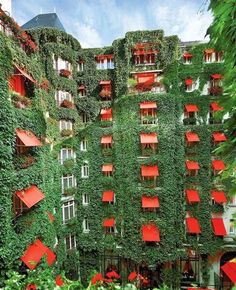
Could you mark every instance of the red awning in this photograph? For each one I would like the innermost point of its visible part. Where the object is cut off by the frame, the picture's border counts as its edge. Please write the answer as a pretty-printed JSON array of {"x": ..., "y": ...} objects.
[
  {"x": 50, "y": 216},
  {"x": 25, "y": 74},
  {"x": 187, "y": 55},
  {"x": 106, "y": 139},
  {"x": 106, "y": 111},
  {"x": 148, "y": 138},
  {"x": 218, "y": 165},
  {"x": 209, "y": 50},
  {"x": 193, "y": 226},
  {"x": 107, "y": 167},
  {"x": 192, "y": 165},
  {"x": 192, "y": 137},
  {"x": 218, "y": 227},
  {"x": 150, "y": 233},
  {"x": 191, "y": 108},
  {"x": 188, "y": 82},
  {"x": 148, "y": 105},
  {"x": 216, "y": 76},
  {"x": 105, "y": 82},
  {"x": 218, "y": 137},
  {"x": 215, "y": 107},
  {"x": 142, "y": 52},
  {"x": 103, "y": 56},
  {"x": 109, "y": 222},
  {"x": 192, "y": 195},
  {"x": 150, "y": 202},
  {"x": 229, "y": 269},
  {"x": 35, "y": 252},
  {"x": 108, "y": 196},
  {"x": 149, "y": 170},
  {"x": 82, "y": 87},
  {"x": 218, "y": 196},
  {"x": 31, "y": 195},
  {"x": 28, "y": 138}
]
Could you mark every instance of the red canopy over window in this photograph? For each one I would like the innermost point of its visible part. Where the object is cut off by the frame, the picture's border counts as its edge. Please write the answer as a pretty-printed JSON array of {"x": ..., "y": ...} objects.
[
  {"x": 229, "y": 269},
  {"x": 148, "y": 105},
  {"x": 187, "y": 55},
  {"x": 82, "y": 87},
  {"x": 148, "y": 138},
  {"x": 28, "y": 138},
  {"x": 150, "y": 202},
  {"x": 215, "y": 107},
  {"x": 51, "y": 216},
  {"x": 192, "y": 137},
  {"x": 218, "y": 137},
  {"x": 192, "y": 195},
  {"x": 209, "y": 50},
  {"x": 106, "y": 114},
  {"x": 25, "y": 74},
  {"x": 103, "y": 56},
  {"x": 188, "y": 82},
  {"x": 192, "y": 165},
  {"x": 106, "y": 139},
  {"x": 193, "y": 226},
  {"x": 218, "y": 165},
  {"x": 108, "y": 196},
  {"x": 218, "y": 196},
  {"x": 150, "y": 233},
  {"x": 216, "y": 76},
  {"x": 218, "y": 227},
  {"x": 151, "y": 170},
  {"x": 107, "y": 167},
  {"x": 105, "y": 82},
  {"x": 35, "y": 252},
  {"x": 109, "y": 222},
  {"x": 191, "y": 108},
  {"x": 31, "y": 195}
]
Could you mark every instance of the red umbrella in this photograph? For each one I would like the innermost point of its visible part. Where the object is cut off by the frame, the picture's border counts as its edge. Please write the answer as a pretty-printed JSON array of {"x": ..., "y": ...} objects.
[{"x": 229, "y": 269}]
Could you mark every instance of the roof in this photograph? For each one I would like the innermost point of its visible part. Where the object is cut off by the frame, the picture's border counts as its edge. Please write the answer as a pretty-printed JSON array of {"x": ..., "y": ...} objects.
[{"x": 49, "y": 20}]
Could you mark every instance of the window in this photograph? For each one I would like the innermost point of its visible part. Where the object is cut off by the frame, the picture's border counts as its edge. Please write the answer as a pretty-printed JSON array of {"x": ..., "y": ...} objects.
[
  {"x": 86, "y": 228},
  {"x": 18, "y": 206},
  {"x": 84, "y": 144},
  {"x": 85, "y": 199},
  {"x": 85, "y": 170},
  {"x": 111, "y": 230},
  {"x": 65, "y": 125},
  {"x": 60, "y": 96},
  {"x": 68, "y": 182},
  {"x": 66, "y": 153},
  {"x": 84, "y": 118},
  {"x": 62, "y": 64},
  {"x": 232, "y": 228},
  {"x": 70, "y": 242},
  {"x": 68, "y": 211},
  {"x": 80, "y": 66}
]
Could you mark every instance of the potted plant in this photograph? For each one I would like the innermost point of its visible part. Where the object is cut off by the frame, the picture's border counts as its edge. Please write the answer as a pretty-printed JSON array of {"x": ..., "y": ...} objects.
[
  {"x": 65, "y": 73},
  {"x": 67, "y": 104}
]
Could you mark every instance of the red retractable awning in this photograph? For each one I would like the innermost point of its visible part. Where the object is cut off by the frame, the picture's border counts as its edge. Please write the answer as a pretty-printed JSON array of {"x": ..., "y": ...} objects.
[
  {"x": 25, "y": 74},
  {"x": 106, "y": 139},
  {"x": 218, "y": 227},
  {"x": 151, "y": 170},
  {"x": 31, "y": 195},
  {"x": 109, "y": 222},
  {"x": 188, "y": 82},
  {"x": 150, "y": 202},
  {"x": 193, "y": 226},
  {"x": 191, "y": 108},
  {"x": 103, "y": 56},
  {"x": 192, "y": 137},
  {"x": 50, "y": 216},
  {"x": 218, "y": 137},
  {"x": 82, "y": 87},
  {"x": 106, "y": 111},
  {"x": 148, "y": 138},
  {"x": 192, "y": 165},
  {"x": 108, "y": 196},
  {"x": 215, "y": 107},
  {"x": 105, "y": 82},
  {"x": 229, "y": 269},
  {"x": 218, "y": 196},
  {"x": 28, "y": 138},
  {"x": 187, "y": 55},
  {"x": 107, "y": 167},
  {"x": 218, "y": 165},
  {"x": 51, "y": 257},
  {"x": 150, "y": 233},
  {"x": 192, "y": 195},
  {"x": 148, "y": 105},
  {"x": 216, "y": 76},
  {"x": 209, "y": 50}
]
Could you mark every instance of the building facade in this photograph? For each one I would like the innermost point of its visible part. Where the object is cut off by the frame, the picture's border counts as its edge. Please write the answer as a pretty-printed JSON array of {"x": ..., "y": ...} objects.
[{"x": 109, "y": 157}]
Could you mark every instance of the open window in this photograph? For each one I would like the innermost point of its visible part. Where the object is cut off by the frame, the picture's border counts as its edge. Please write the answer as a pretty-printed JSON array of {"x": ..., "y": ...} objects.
[
  {"x": 148, "y": 143},
  {"x": 148, "y": 113},
  {"x": 149, "y": 174},
  {"x": 192, "y": 167},
  {"x": 107, "y": 170}
]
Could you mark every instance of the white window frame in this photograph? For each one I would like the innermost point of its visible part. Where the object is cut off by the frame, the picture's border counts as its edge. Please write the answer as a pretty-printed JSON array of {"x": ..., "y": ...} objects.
[
  {"x": 64, "y": 124},
  {"x": 69, "y": 154},
  {"x": 232, "y": 230},
  {"x": 69, "y": 180},
  {"x": 68, "y": 205},
  {"x": 84, "y": 144},
  {"x": 85, "y": 170},
  {"x": 80, "y": 66},
  {"x": 86, "y": 227},
  {"x": 85, "y": 199},
  {"x": 190, "y": 88},
  {"x": 71, "y": 238},
  {"x": 60, "y": 96}
]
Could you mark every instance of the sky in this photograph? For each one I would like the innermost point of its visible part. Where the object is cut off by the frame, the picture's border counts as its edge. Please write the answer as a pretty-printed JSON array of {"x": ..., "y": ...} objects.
[{"x": 96, "y": 23}]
